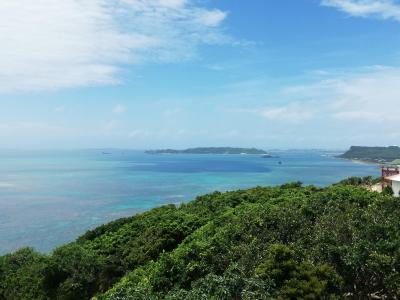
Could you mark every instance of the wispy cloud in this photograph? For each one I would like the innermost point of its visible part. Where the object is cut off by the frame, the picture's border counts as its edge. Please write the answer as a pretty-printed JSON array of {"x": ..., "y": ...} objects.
[
  {"x": 293, "y": 113},
  {"x": 52, "y": 44},
  {"x": 342, "y": 107},
  {"x": 139, "y": 133},
  {"x": 170, "y": 134},
  {"x": 119, "y": 109},
  {"x": 29, "y": 127},
  {"x": 171, "y": 112},
  {"x": 59, "y": 109},
  {"x": 368, "y": 95},
  {"x": 383, "y": 9},
  {"x": 110, "y": 128}
]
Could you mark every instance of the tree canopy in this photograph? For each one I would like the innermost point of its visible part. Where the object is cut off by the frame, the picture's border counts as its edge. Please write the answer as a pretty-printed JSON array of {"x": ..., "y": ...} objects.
[{"x": 286, "y": 242}]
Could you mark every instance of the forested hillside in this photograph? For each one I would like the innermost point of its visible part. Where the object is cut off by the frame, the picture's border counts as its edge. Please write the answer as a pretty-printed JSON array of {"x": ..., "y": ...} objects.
[
  {"x": 373, "y": 154},
  {"x": 287, "y": 242}
]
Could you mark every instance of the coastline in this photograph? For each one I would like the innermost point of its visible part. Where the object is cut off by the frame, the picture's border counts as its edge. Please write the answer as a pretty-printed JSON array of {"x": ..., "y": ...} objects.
[
  {"x": 108, "y": 187},
  {"x": 368, "y": 162},
  {"x": 361, "y": 161}
]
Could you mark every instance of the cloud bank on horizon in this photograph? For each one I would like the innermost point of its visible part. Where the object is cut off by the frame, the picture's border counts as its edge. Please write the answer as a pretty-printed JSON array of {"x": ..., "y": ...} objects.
[{"x": 51, "y": 44}]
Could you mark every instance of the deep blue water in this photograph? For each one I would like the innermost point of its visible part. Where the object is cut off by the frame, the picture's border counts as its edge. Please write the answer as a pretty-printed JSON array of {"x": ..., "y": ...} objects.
[{"x": 48, "y": 198}]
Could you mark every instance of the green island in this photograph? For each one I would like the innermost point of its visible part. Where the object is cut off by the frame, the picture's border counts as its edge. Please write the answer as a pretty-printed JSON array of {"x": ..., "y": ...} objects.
[
  {"x": 284, "y": 242},
  {"x": 209, "y": 150},
  {"x": 373, "y": 154}
]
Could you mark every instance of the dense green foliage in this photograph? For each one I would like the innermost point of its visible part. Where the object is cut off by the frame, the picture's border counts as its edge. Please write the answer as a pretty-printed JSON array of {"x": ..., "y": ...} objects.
[
  {"x": 287, "y": 242},
  {"x": 209, "y": 150},
  {"x": 388, "y": 190},
  {"x": 396, "y": 162},
  {"x": 366, "y": 181},
  {"x": 374, "y": 154}
]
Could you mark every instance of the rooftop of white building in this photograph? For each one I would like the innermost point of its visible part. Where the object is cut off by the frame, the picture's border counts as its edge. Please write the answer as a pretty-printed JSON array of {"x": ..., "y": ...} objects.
[{"x": 393, "y": 177}]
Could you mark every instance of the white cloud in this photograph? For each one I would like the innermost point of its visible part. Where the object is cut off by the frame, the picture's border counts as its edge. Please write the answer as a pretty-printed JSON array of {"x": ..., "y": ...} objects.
[
  {"x": 28, "y": 128},
  {"x": 34, "y": 133},
  {"x": 211, "y": 18},
  {"x": 366, "y": 96},
  {"x": 372, "y": 96},
  {"x": 59, "y": 109},
  {"x": 172, "y": 3},
  {"x": 110, "y": 128},
  {"x": 293, "y": 112},
  {"x": 157, "y": 134},
  {"x": 383, "y": 9},
  {"x": 356, "y": 115},
  {"x": 51, "y": 44},
  {"x": 342, "y": 107},
  {"x": 119, "y": 109},
  {"x": 171, "y": 112},
  {"x": 139, "y": 133}
]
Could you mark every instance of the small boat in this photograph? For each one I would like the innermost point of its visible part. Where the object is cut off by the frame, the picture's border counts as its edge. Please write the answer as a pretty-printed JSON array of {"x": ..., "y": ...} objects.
[{"x": 266, "y": 156}]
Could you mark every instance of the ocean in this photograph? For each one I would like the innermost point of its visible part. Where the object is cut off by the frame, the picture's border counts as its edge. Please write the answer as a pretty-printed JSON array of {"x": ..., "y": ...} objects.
[{"x": 48, "y": 198}]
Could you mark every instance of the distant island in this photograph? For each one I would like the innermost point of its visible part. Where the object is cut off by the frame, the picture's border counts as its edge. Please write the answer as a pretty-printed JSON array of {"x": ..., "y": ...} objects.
[
  {"x": 373, "y": 154},
  {"x": 210, "y": 150}
]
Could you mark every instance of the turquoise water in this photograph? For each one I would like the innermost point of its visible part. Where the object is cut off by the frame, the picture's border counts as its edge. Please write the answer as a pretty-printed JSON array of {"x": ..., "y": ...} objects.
[{"x": 48, "y": 198}]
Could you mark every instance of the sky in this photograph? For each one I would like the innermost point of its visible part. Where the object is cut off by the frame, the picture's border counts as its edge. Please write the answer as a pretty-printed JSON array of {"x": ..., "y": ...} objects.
[{"x": 185, "y": 73}]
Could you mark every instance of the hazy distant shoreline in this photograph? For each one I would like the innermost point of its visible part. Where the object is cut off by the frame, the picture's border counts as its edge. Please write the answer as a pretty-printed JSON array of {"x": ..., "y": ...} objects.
[{"x": 209, "y": 150}]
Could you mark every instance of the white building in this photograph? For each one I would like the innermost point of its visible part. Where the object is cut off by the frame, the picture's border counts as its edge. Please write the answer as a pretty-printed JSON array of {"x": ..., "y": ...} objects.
[{"x": 395, "y": 183}]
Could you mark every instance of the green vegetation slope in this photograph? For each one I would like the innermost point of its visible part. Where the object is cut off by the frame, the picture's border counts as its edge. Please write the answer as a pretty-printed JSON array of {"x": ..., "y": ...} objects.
[
  {"x": 373, "y": 154},
  {"x": 287, "y": 242}
]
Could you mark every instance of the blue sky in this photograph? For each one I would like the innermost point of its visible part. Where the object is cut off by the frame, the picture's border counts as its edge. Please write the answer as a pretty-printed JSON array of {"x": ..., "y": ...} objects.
[{"x": 180, "y": 73}]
